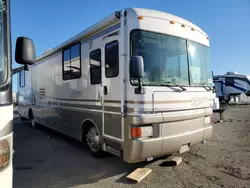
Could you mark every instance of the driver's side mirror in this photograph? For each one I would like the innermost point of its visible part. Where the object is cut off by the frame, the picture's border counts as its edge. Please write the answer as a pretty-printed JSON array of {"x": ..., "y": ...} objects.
[
  {"x": 25, "y": 51},
  {"x": 136, "y": 67},
  {"x": 136, "y": 72}
]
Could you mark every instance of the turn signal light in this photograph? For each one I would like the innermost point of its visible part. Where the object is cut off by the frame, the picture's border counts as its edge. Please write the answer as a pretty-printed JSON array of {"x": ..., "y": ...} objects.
[
  {"x": 136, "y": 132},
  {"x": 172, "y": 22},
  {"x": 144, "y": 131}
]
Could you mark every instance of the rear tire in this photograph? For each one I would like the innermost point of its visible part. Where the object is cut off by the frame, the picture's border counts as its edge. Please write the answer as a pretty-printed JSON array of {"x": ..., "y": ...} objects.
[
  {"x": 93, "y": 140},
  {"x": 32, "y": 120},
  {"x": 23, "y": 119}
]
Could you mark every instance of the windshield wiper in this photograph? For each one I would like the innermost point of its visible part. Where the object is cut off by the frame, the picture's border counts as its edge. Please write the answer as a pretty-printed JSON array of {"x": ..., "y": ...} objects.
[
  {"x": 208, "y": 88},
  {"x": 182, "y": 88}
]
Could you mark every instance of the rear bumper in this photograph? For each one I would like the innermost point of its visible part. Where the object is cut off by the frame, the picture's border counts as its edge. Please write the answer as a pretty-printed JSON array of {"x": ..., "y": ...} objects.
[{"x": 141, "y": 149}]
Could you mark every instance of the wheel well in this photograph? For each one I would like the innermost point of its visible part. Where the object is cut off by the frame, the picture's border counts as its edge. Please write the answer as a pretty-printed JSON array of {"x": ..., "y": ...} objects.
[{"x": 85, "y": 127}]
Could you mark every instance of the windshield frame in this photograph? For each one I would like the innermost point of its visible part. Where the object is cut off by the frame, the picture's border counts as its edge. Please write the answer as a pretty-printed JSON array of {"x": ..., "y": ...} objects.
[
  {"x": 187, "y": 54},
  {"x": 5, "y": 43}
]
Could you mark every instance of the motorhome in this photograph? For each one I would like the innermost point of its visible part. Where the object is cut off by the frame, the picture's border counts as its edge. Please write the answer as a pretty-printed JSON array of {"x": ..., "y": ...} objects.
[
  {"x": 136, "y": 84},
  {"x": 230, "y": 85},
  {"x": 6, "y": 100}
]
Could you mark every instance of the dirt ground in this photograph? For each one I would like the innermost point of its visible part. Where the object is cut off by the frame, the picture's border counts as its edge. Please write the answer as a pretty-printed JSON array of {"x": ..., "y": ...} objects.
[{"x": 44, "y": 159}]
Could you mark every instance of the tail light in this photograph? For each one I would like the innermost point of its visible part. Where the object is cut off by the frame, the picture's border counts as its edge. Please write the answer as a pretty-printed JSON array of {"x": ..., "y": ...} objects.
[
  {"x": 4, "y": 153},
  {"x": 142, "y": 131}
]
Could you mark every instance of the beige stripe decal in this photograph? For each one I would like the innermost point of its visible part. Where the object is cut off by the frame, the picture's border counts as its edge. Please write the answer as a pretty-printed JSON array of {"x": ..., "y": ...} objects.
[
  {"x": 158, "y": 102},
  {"x": 83, "y": 100},
  {"x": 129, "y": 102},
  {"x": 149, "y": 102}
]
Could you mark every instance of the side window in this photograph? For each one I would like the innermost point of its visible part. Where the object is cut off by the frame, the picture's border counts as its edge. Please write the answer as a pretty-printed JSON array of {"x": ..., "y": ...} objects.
[
  {"x": 22, "y": 78},
  {"x": 66, "y": 64},
  {"x": 229, "y": 82},
  {"x": 112, "y": 59},
  {"x": 72, "y": 62},
  {"x": 95, "y": 67}
]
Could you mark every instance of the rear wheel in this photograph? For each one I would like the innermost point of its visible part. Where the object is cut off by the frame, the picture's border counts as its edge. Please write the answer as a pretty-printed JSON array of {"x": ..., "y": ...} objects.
[
  {"x": 22, "y": 118},
  {"x": 32, "y": 120},
  {"x": 94, "y": 142}
]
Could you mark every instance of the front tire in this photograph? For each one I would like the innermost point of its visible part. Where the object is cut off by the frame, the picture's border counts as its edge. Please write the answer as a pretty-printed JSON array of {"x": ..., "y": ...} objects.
[{"x": 94, "y": 142}]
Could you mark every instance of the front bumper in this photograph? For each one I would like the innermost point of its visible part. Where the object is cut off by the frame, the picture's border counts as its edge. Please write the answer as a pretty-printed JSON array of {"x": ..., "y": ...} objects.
[
  {"x": 172, "y": 136},
  {"x": 143, "y": 149}
]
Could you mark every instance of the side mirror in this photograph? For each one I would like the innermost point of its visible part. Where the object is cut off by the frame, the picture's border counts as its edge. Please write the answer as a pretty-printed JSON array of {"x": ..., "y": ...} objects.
[
  {"x": 136, "y": 67},
  {"x": 25, "y": 51},
  {"x": 136, "y": 72}
]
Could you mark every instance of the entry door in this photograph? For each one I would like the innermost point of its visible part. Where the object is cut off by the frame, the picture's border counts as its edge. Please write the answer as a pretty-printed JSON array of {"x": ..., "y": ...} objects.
[{"x": 111, "y": 89}]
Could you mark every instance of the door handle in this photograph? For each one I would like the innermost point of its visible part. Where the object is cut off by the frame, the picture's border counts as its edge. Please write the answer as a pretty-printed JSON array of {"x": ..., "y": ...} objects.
[{"x": 105, "y": 90}]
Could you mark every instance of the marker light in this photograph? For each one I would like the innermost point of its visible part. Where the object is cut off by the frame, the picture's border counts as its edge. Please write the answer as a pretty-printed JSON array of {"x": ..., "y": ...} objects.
[{"x": 140, "y": 17}]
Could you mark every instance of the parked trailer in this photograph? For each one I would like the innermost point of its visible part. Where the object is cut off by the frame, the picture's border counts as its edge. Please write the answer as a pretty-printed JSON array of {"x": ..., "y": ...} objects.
[
  {"x": 136, "y": 84},
  {"x": 230, "y": 85}
]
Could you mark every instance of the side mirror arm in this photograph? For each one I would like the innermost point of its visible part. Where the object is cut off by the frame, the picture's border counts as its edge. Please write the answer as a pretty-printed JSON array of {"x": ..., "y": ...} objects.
[
  {"x": 26, "y": 67},
  {"x": 140, "y": 89}
]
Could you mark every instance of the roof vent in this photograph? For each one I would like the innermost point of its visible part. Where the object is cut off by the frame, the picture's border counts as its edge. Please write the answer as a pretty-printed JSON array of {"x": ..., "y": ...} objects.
[{"x": 232, "y": 72}]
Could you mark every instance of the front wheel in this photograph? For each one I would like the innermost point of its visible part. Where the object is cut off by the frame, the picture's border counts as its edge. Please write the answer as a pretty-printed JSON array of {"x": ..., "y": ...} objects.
[{"x": 94, "y": 142}]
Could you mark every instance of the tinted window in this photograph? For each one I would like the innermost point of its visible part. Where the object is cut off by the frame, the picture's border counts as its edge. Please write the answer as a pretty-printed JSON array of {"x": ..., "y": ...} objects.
[
  {"x": 22, "y": 78},
  {"x": 72, "y": 62},
  {"x": 112, "y": 59},
  {"x": 75, "y": 61},
  {"x": 66, "y": 64},
  {"x": 95, "y": 67}
]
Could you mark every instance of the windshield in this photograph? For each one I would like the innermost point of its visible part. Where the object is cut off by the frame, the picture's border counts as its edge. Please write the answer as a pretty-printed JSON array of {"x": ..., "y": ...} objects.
[
  {"x": 167, "y": 60},
  {"x": 3, "y": 58},
  {"x": 198, "y": 58}
]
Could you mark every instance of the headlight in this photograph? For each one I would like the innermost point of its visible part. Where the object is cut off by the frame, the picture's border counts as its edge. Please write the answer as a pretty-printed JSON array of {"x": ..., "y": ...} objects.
[{"x": 4, "y": 153}]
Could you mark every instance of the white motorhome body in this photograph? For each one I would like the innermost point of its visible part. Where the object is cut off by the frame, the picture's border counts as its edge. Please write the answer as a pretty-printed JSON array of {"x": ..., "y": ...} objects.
[
  {"x": 85, "y": 82},
  {"x": 230, "y": 85},
  {"x": 6, "y": 107}
]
